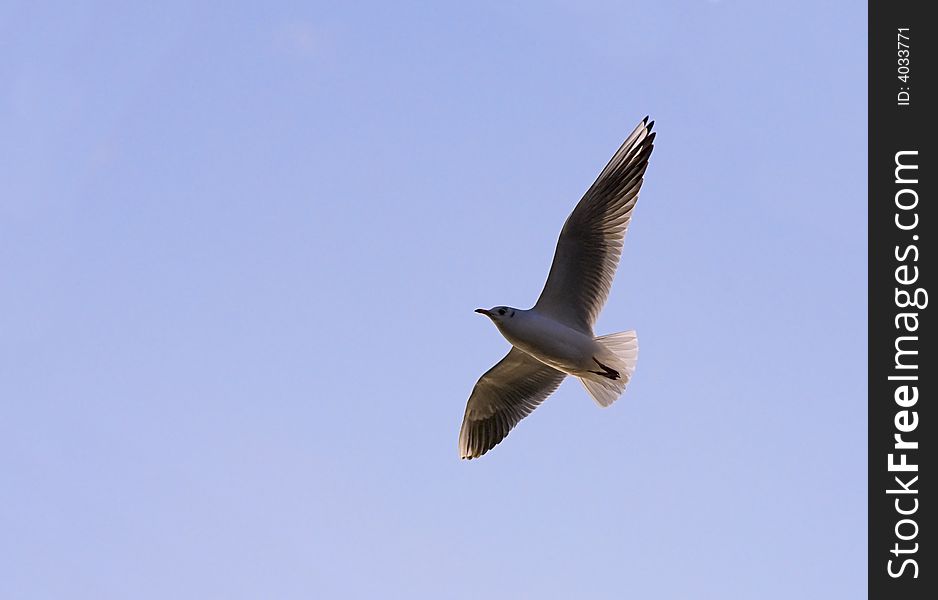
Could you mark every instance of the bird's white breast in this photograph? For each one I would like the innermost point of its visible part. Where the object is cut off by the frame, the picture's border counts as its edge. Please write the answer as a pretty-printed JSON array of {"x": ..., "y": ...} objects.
[{"x": 549, "y": 341}]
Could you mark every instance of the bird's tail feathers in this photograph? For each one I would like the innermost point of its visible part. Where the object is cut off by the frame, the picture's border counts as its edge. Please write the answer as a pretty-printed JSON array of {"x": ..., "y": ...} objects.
[{"x": 615, "y": 366}]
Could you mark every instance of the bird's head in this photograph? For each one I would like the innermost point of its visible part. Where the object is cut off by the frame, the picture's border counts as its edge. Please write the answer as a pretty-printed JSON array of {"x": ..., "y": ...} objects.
[{"x": 498, "y": 313}]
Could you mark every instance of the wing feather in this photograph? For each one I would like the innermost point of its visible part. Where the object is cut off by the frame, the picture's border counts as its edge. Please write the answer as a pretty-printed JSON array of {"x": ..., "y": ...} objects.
[
  {"x": 590, "y": 243},
  {"x": 503, "y": 396}
]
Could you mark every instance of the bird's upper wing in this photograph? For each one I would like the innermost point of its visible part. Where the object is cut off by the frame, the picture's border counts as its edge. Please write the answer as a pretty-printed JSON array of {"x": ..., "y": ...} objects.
[
  {"x": 591, "y": 240},
  {"x": 507, "y": 393}
]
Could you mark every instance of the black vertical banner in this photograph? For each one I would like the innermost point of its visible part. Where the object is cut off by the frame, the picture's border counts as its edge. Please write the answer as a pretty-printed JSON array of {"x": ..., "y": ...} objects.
[{"x": 903, "y": 375}]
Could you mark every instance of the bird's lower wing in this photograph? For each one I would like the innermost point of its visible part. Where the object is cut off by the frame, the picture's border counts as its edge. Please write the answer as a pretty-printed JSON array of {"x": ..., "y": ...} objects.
[{"x": 507, "y": 393}]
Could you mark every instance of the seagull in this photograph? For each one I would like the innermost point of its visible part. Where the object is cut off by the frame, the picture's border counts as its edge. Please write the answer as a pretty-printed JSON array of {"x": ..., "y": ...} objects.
[{"x": 555, "y": 338}]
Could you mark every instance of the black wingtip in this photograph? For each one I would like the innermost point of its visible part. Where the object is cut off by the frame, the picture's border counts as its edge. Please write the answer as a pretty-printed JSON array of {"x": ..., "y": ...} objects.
[{"x": 649, "y": 126}]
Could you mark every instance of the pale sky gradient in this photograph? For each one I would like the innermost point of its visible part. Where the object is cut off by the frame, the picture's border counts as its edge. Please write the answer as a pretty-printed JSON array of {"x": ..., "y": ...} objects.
[{"x": 240, "y": 247}]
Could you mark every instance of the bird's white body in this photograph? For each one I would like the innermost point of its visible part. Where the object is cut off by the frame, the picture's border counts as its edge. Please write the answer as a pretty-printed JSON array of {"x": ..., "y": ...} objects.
[{"x": 551, "y": 342}]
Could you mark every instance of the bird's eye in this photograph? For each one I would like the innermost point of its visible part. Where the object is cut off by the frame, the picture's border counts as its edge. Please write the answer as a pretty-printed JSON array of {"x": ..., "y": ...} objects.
[{"x": 501, "y": 311}]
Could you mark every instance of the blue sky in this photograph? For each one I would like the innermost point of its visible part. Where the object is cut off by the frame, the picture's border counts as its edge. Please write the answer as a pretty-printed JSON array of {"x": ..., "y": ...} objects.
[{"x": 241, "y": 246}]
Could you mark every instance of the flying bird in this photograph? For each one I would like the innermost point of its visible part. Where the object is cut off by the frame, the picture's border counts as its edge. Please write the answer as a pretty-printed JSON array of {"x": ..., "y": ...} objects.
[{"x": 555, "y": 338}]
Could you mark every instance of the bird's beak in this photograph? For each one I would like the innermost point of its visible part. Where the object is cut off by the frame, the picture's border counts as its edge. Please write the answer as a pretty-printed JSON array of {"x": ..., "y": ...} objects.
[{"x": 482, "y": 311}]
